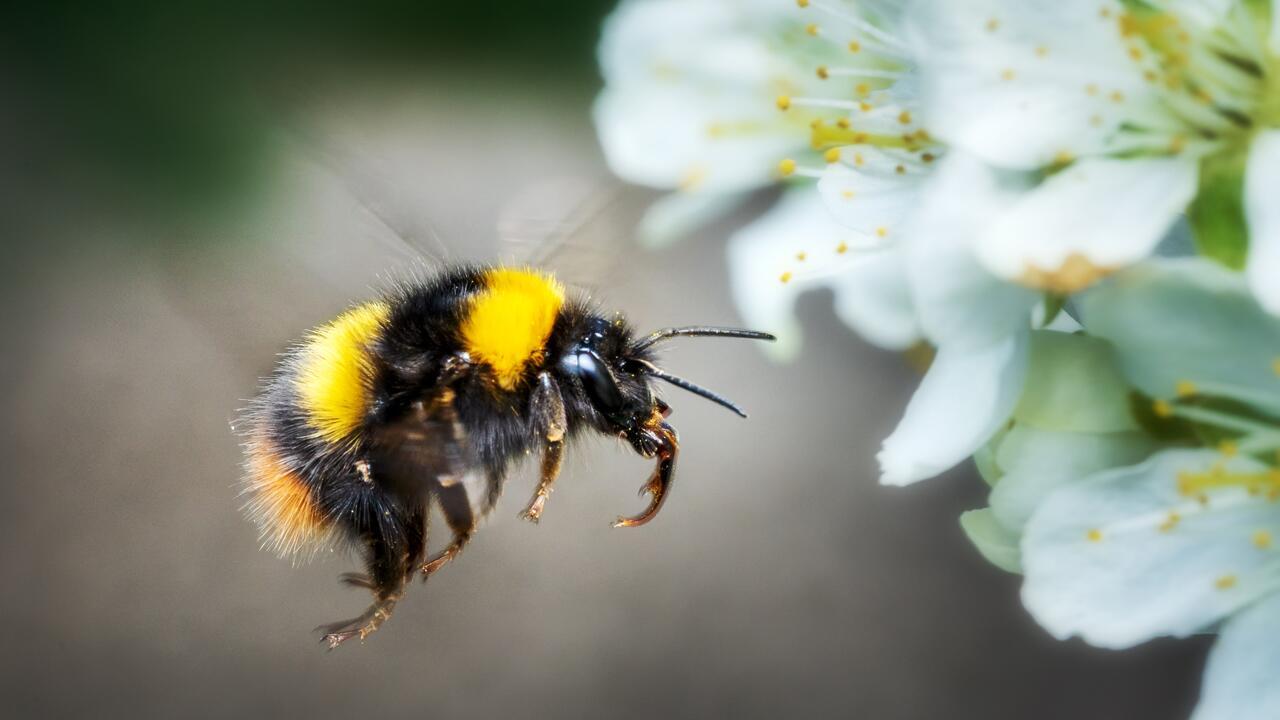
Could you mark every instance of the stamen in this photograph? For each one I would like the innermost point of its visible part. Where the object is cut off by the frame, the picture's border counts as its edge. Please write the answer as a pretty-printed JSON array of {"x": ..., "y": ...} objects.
[
  {"x": 824, "y": 71},
  {"x": 865, "y": 27},
  {"x": 1262, "y": 539},
  {"x": 1226, "y": 582},
  {"x": 1093, "y": 535}
]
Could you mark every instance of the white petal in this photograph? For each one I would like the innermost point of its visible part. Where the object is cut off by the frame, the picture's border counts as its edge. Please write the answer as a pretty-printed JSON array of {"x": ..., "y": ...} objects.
[
  {"x": 679, "y": 214},
  {"x": 996, "y": 543},
  {"x": 689, "y": 92},
  {"x": 1188, "y": 319},
  {"x": 1124, "y": 556},
  {"x": 1240, "y": 677},
  {"x": 1037, "y": 462},
  {"x": 959, "y": 302},
  {"x": 870, "y": 289},
  {"x": 1074, "y": 385},
  {"x": 867, "y": 192},
  {"x": 965, "y": 397},
  {"x": 1106, "y": 212},
  {"x": 1020, "y": 83},
  {"x": 1262, "y": 209}
]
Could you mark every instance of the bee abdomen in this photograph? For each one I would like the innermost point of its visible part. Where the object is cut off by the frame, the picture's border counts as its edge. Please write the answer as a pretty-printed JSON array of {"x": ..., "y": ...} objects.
[{"x": 282, "y": 503}]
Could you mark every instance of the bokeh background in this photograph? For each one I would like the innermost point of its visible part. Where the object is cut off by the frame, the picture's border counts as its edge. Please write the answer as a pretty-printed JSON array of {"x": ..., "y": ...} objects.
[{"x": 188, "y": 186}]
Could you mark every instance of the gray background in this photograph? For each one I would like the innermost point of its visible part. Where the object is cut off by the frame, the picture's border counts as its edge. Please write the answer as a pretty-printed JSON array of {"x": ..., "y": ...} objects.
[{"x": 780, "y": 580}]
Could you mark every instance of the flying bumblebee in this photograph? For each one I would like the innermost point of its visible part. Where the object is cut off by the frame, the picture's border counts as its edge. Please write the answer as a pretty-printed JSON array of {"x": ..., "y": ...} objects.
[{"x": 428, "y": 395}]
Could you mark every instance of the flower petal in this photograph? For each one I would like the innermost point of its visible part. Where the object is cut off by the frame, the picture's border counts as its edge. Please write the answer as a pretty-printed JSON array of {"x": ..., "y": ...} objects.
[
  {"x": 1095, "y": 216},
  {"x": 1137, "y": 552},
  {"x": 677, "y": 215},
  {"x": 1022, "y": 83},
  {"x": 965, "y": 397},
  {"x": 1240, "y": 677},
  {"x": 1074, "y": 385},
  {"x": 871, "y": 292},
  {"x": 959, "y": 302},
  {"x": 1188, "y": 319},
  {"x": 997, "y": 544},
  {"x": 1262, "y": 188}
]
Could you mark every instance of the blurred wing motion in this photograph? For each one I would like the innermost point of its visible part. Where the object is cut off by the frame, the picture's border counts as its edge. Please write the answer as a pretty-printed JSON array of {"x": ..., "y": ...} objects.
[{"x": 426, "y": 444}]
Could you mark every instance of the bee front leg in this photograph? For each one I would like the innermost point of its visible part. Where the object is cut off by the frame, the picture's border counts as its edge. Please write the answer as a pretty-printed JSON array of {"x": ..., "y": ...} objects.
[{"x": 547, "y": 411}]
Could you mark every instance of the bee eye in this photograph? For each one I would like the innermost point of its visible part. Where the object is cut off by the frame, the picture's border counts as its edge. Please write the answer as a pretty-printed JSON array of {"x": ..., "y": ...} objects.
[{"x": 596, "y": 378}]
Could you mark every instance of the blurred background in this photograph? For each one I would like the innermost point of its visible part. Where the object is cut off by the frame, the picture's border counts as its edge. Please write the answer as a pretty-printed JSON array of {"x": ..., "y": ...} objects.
[{"x": 189, "y": 186}]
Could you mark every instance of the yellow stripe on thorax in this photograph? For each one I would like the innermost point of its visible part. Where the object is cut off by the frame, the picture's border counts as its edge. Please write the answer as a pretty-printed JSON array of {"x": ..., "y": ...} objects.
[
  {"x": 508, "y": 323},
  {"x": 335, "y": 375}
]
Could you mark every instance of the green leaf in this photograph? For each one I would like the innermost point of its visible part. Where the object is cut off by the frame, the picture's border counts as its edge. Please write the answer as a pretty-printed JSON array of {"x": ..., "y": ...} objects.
[
  {"x": 997, "y": 545},
  {"x": 1217, "y": 213}
]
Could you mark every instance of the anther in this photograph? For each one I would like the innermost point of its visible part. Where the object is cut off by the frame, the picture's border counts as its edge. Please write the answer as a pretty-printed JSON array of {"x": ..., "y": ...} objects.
[
  {"x": 785, "y": 277},
  {"x": 783, "y": 102},
  {"x": 811, "y": 28},
  {"x": 832, "y": 155},
  {"x": 1262, "y": 539},
  {"x": 800, "y": 256},
  {"x": 842, "y": 248},
  {"x": 1226, "y": 582},
  {"x": 1093, "y": 535},
  {"x": 787, "y": 167},
  {"x": 1162, "y": 408},
  {"x": 822, "y": 72},
  {"x": 1185, "y": 388},
  {"x": 855, "y": 46},
  {"x": 1008, "y": 74}
]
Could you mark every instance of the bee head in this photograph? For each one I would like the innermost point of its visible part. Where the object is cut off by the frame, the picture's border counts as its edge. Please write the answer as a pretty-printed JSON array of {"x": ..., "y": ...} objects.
[{"x": 613, "y": 372}]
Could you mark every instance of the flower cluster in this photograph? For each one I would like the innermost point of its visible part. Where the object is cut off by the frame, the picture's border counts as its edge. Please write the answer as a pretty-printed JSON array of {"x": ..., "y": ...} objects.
[{"x": 1076, "y": 205}]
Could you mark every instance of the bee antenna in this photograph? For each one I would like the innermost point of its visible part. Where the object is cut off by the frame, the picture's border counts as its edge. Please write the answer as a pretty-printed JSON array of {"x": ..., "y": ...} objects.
[
  {"x": 658, "y": 336},
  {"x": 654, "y": 371}
]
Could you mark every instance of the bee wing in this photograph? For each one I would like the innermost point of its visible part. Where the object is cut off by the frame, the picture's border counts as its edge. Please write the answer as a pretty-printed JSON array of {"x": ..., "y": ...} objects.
[
  {"x": 426, "y": 445},
  {"x": 571, "y": 226}
]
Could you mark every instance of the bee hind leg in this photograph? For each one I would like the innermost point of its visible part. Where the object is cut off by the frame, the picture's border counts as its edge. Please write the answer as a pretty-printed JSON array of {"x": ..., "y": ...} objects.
[
  {"x": 390, "y": 565},
  {"x": 455, "y": 505}
]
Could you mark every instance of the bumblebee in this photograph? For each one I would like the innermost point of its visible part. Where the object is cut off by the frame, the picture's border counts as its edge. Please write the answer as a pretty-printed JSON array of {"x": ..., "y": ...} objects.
[{"x": 428, "y": 395}]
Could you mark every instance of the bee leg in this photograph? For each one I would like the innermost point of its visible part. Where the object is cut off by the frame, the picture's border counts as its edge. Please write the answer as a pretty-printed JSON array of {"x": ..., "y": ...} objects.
[
  {"x": 659, "y": 441},
  {"x": 547, "y": 410},
  {"x": 455, "y": 505},
  {"x": 387, "y": 563}
]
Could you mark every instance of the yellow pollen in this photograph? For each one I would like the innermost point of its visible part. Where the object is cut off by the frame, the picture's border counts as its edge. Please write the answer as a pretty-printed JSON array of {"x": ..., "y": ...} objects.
[
  {"x": 843, "y": 124},
  {"x": 1094, "y": 535},
  {"x": 801, "y": 256},
  {"x": 855, "y": 46},
  {"x": 785, "y": 277},
  {"x": 1228, "y": 447},
  {"x": 832, "y": 155},
  {"x": 1150, "y": 76},
  {"x": 1042, "y": 51},
  {"x": 1170, "y": 522},
  {"x": 1091, "y": 89},
  {"x": 1226, "y": 582},
  {"x": 862, "y": 88},
  {"x": 904, "y": 117},
  {"x": 1185, "y": 388},
  {"x": 1104, "y": 13},
  {"x": 1262, "y": 539},
  {"x": 1135, "y": 53},
  {"x": 882, "y": 231},
  {"x": 858, "y": 159},
  {"x": 865, "y": 106},
  {"x": 786, "y": 167},
  {"x": 847, "y": 194},
  {"x": 993, "y": 25},
  {"x": 1178, "y": 143},
  {"x": 802, "y": 3},
  {"x": 816, "y": 124},
  {"x": 928, "y": 157},
  {"x": 1116, "y": 96},
  {"x": 1008, "y": 74},
  {"x": 842, "y": 248},
  {"x": 811, "y": 28},
  {"x": 783, "y": 102},
  {"x": 1162, "y": 408},
  {"x": 900, "y": 170},
  {"x": 860, "y": 138},
  {"x": 822, "y": 72},
  {"x": 1063, "y": 157}
]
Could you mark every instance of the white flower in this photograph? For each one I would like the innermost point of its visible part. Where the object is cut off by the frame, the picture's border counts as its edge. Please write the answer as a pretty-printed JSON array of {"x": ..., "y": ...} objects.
[
  {"x": 1190, "y": 538},
  {"x": 1129, "y": 111},
  {"x": 690, "y": 100}
]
